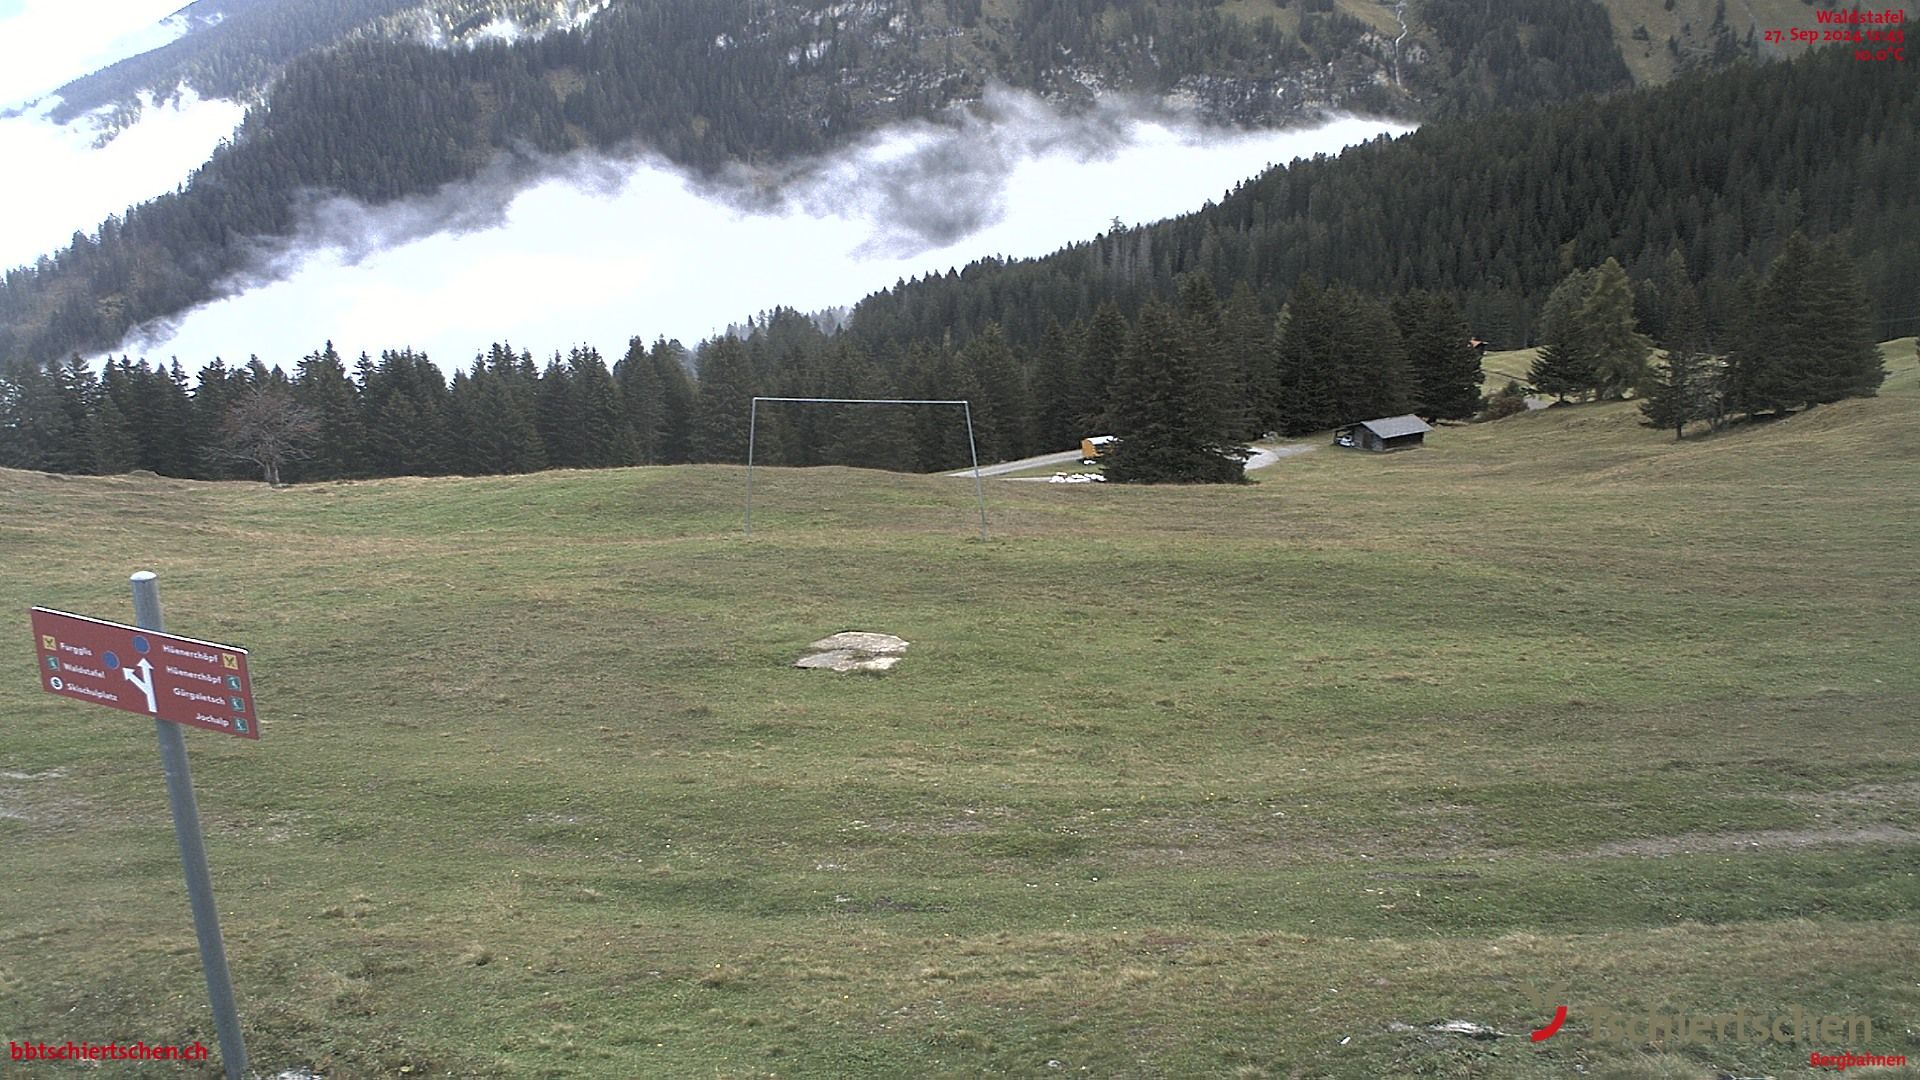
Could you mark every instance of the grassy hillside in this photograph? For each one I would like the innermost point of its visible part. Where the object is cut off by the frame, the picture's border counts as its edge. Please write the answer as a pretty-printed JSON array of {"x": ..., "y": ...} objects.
[{"x": 1172, "y": 782}]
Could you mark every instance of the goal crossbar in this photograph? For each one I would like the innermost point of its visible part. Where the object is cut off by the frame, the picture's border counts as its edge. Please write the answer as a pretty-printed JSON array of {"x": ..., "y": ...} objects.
[{"x": 753, "y": 423}]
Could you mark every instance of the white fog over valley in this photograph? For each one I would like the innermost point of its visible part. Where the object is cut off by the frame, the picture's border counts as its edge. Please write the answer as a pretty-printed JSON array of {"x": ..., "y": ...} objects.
[
  {"x": 70, "y": 185},
  {"x": 599, "y": 251}
]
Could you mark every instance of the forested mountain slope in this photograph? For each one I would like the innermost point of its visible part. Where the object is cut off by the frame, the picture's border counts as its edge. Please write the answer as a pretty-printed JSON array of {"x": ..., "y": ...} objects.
[{"x": 1721, "y": 167}]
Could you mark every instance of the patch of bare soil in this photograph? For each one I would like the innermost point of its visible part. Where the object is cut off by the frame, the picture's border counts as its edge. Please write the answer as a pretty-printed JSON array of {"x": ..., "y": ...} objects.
[
  {"x": 38, "y": 799},
  {"x": 1768, "y": 840},
  {"x": 1866, "y": 814}
]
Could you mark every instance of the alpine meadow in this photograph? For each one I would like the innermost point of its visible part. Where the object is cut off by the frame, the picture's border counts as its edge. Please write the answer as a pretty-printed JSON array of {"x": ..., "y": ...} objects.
[{"x": 1442, "y": 608}]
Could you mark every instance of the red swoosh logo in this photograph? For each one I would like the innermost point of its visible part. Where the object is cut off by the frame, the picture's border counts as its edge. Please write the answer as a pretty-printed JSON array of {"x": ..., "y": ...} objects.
[{"x": 1545, "y": 1033}]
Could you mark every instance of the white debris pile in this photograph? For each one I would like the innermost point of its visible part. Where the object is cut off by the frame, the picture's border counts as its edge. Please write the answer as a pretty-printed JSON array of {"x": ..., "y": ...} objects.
[{"x": 854, "y": 650}]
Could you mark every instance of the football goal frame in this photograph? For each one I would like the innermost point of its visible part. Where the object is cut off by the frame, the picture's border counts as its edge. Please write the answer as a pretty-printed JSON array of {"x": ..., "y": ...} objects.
[{"x": 753, "y": 425}]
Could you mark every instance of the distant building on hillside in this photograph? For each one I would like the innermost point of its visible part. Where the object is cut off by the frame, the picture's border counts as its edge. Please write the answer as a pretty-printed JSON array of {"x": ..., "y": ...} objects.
[{"x": 1386, "y": 433}]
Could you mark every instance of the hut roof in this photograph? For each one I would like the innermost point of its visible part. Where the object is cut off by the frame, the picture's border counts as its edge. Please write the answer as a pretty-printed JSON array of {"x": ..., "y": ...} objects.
[{"x": 1392, "y": 427}]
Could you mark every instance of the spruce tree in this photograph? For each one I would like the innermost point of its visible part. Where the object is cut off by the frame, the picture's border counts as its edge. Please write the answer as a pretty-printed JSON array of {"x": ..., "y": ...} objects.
[
  {"x": 1303, "y": 340},
  {"x": 115, "y": 450},
  {"x": 719, "y": 429},
  {"x": 1055, "y": 375},
  {"x": 868, "y": 436},
  {"x": 1677, "y": 392},
  {"x": 1101, "y": 351},
  {"x": 1166, "y": 421},
  {"x": 1220, "y": 372},
  {"x": 641, "y": 394},
  {"x": 1368, "y": 362},
  {"x": 677, "y": 393},
  {"x": 322, "y": 387},
  {"x": 1769, "y": 370},
  {"x": 1444, "y": 363},
  {"x": 1249, "y": 336},
  {"x": 494, "y": 405},
  {"x": 44, "y": 419},
  {"x": 1001, "y": 414},
  {"x": 1565, "y": 363},
  {"x": 1842, "y": 360},
  {"x": 1615, "y": 348},
  {"x": 606, "y": 439}
]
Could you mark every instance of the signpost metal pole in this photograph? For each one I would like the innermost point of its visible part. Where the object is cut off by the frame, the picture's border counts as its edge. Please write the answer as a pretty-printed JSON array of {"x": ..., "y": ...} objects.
[
  {"x": 753, "y": 418},
  {"x": 978, "y": 492},
  {"x": 193, "y": 853}
]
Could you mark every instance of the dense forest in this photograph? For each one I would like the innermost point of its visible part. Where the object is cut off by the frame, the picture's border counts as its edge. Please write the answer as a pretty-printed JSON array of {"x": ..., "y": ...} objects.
[
  {"x": 708, "y": 83},
  {"x": 1497, "y": 211}
]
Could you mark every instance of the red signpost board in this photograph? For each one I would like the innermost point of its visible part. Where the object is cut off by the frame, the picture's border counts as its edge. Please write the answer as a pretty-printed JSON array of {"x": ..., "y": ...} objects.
[{"x": 182, "y": 680}]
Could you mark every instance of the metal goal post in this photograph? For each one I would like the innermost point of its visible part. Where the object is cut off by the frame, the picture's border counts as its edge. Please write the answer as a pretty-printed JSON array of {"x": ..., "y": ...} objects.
[{"x": 753, "y": 422}]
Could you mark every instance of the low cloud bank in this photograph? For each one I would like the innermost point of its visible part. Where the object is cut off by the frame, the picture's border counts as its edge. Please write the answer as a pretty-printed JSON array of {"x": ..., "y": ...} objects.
[
  {"x": 57, "y": 181},
  {"x": 595, "y": 251}
]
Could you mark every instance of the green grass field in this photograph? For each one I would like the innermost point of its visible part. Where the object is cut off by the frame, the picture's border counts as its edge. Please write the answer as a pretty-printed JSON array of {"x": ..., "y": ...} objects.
[{"x": 1173, "y": 782}]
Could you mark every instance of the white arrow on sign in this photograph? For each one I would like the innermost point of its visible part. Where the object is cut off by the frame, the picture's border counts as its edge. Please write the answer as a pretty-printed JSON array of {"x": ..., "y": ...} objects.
[{"x": 144, "y": 681}]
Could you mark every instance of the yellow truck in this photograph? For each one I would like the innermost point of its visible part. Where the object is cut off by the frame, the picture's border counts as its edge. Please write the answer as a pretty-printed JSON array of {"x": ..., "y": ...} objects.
[{"x": 1092, "y": 447}]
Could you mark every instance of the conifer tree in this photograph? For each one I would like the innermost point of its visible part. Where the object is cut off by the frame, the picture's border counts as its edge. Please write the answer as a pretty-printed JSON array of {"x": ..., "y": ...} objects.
[
  {"x": 1617, "y": 351},
  {"x": 1001, "y": 417},
  {"x": 44, "y": 422},
  {"x": 1166, "y": 421},
  {"x": 216, "y": 387},
  {"x": 677, "y": 392},
  {"x": 322, "y": 387},
  {"x": 1766, "y": 372},
  {"x": 408, "y": 406},
  {"x": 1340, "y": 360},
  {"x": 1842, "y": 359},
  {"x": 1055, "y": 375},
  {"x": 1220, "y": 373},
  {"x": 719, "y": 429},
  {"x": 605, "y": 437},
  {"x": 1303, "y": 339},
  {"x": 1565, "y": 363},
  {"x": 641, "y": 395},
  {"x": 115, "y": 450},
  {"x": 1687, "y": 384},
  {"x": 867, "y": 436},
  {"x": 1677, "y": 392},
  {"x": 1444, "y": 363},
  {"x": 1248, "y": 335},
  {"x": 493, "y": 406},
  {"x": 1101, "y": 351}
]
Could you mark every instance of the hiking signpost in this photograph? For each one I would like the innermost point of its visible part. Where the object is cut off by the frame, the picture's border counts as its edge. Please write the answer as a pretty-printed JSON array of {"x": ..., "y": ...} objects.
[{"x": 179, "y": 682}]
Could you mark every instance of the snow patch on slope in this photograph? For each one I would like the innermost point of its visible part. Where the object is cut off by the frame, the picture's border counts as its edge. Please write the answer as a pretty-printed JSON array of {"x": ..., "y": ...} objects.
[{"x": 445, "y": 24}]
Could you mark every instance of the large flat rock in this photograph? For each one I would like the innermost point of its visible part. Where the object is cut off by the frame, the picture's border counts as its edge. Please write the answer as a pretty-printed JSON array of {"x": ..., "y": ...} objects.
[
  {"x": 863, "y": 642},
  {"x": 854, "y": 650}
]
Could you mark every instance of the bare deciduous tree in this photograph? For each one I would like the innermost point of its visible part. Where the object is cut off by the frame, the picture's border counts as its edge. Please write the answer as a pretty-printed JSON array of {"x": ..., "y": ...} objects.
[{"x": 268, "y": 428}]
